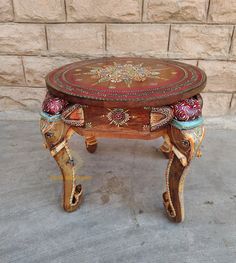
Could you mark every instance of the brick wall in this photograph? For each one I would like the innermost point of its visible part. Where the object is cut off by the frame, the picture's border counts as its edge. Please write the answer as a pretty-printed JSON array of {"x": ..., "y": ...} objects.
[{"x": 37, "y": 36}]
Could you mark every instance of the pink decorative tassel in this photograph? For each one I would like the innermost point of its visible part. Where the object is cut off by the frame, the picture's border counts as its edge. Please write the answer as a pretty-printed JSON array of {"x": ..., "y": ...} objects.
[
  {"x": 187, "y": 110},
  {"x": 53, "y": 105}
]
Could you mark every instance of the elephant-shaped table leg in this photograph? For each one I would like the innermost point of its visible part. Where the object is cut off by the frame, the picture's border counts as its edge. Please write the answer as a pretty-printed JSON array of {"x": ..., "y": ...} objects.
[
  {"x": 56, "y": 134},
  {"x": 184, "y": 144}
]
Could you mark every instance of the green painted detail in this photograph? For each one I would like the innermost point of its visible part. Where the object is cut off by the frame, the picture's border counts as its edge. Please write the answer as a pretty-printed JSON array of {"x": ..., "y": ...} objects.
[
  {"x": 50, "y": 118},
  {"x": 186, "y": 125}
]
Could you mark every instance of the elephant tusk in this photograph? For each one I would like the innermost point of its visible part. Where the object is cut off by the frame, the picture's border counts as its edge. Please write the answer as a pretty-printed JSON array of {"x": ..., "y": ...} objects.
[
  {"x": 180, "y": 156},
  {"x": 58, "y": 148}
]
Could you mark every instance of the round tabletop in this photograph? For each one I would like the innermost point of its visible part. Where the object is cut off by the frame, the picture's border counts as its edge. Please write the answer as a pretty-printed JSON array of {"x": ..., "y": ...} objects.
[{"x": 122, "y": 81}]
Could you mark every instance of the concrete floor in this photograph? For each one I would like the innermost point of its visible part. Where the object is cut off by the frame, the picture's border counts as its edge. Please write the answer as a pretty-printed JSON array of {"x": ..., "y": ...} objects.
[{"x": 122, "y": 218}]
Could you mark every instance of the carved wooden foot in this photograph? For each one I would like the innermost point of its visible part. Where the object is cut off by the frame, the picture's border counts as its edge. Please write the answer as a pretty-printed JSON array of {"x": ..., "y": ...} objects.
[
  {"x": 56, "y": 134},
  {"x": 91, "y": 144},
  {"x": 184, "y": 144}
]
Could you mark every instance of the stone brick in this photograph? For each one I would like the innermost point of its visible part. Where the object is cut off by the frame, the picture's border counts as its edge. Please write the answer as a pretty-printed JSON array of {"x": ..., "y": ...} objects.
[
  {"x": 39, "y": 11},
  {"x": 15, "y": 98},
  {"x": 216, "y": 104},
  {"x": 104, "y": 11},
  {"x": 22, "y": 38},
  {"x": 200, "y": 41},
  {"x": 137, "y": 39},
  {"x": 172, "y": 10},
  {"x": 36, "y": 68},
  {"x": 6, "y": 13},
  {"x": 221, "y": 75},
  {"x": 233, "y": 105},
  {"x": 11, "y": 71},
  {"x": 222, "y": 11},
  {"x": 233, "y": 51},
  {"x": 188, "y": 61},
  {"x": 76, "y": 38}
]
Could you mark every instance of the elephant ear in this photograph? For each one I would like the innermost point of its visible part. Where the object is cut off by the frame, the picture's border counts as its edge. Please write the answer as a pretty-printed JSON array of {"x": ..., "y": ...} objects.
[
  {"x": 74, "y": 115},
  {"x": 160, "y": 117}
]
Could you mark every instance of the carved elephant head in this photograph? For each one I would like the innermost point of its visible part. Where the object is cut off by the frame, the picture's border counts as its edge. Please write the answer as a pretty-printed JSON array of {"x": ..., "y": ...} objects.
[{"x": 187, "y": 141}]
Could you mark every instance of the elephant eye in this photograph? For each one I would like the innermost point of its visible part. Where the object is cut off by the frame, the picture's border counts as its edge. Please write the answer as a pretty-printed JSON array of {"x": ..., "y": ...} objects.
[
  {"x": 185, "y": 143},
  {"x": 49, "y": 134}
]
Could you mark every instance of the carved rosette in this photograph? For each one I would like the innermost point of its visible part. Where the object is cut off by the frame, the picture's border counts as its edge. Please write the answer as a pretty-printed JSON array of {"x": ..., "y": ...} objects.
[{"x": 118, "y": 117}]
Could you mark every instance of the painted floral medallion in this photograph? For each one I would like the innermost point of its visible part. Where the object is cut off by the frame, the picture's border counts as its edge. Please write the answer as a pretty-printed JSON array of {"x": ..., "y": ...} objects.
[
  {"x": 126, "y": 73},
  {"x": 118, "y": 116}
]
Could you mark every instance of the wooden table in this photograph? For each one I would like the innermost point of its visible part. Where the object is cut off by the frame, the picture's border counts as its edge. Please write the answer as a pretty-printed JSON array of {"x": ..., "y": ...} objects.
[{"x": 133, "y": 98}]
